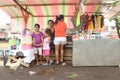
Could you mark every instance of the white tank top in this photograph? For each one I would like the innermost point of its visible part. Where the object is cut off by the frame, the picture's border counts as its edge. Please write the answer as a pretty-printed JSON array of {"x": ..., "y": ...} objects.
[{"x": 46, "y": 44}]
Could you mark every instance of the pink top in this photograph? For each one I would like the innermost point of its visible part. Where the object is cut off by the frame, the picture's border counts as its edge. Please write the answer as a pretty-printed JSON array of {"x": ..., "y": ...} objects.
[{"x": 46, "y": 43}]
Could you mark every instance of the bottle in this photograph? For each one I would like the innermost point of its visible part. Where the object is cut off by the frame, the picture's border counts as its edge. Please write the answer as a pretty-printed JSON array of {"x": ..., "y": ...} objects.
[
  {"x": 77, "y": 33},
  {"x": 17, "y": 44}
]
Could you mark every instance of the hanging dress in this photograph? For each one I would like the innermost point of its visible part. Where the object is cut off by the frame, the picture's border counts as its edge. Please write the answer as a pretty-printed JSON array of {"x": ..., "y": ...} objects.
[
  {"x": 83, "y": 21},
  {"x": 90, "y": 24},
  {"x": 86, "y": 25},
  {"x": 99, "y": 18}
]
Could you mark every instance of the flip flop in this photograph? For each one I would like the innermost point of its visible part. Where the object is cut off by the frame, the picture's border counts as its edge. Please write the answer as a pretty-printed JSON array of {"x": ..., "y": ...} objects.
[
  {"x": 45, "y": 64},
  {"x": 51, "y": 62},
  {"x": 57, "y": 63},
  {"x": 62, "y": 61}
]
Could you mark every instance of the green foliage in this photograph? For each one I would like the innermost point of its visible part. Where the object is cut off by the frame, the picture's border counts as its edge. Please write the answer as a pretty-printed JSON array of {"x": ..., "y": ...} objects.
[
  {"x": 117, "y": 19},
  {"x": 115, "y": 3}
]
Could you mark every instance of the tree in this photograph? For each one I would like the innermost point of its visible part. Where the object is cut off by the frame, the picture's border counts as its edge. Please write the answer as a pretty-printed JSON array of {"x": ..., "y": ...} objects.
[{"x": 117, "y": 19}]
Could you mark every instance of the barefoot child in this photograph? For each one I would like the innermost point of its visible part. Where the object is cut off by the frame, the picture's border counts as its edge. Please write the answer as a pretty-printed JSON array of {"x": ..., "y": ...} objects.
[
  {"x": 37, "y": 43},
  {"x": 46, "y": 47}
]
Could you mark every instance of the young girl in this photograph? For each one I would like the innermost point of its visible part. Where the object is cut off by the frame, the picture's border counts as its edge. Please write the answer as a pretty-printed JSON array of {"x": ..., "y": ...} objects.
[
  {"x": 37, "y": 43},
  {"x": 46, "y": 47}
]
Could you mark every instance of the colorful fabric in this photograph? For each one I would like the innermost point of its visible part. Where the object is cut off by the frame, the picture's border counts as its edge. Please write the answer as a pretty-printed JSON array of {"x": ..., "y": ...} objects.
[
  {"x": 90, "y": 24},
  {"x": 99, "y": 18},
  {"x": 86, "y": 25},
  {"x": 78, "y": 19}
]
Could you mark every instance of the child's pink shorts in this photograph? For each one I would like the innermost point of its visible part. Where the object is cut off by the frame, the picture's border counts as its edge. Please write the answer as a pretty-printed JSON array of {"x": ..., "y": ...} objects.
[{"x": 46, "y": 52}]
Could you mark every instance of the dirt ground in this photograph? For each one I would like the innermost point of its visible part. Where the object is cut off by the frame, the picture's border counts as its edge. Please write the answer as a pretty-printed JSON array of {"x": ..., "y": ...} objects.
[{"x": 59, "y": 72}]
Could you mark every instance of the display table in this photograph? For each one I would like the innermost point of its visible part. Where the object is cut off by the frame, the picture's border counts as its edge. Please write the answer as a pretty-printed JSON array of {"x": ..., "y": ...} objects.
[{"x": 100, "y": 52}]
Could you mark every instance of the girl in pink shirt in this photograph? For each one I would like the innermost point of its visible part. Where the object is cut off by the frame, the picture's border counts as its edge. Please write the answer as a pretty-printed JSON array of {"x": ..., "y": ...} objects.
[{"x": 46, "y": 47}]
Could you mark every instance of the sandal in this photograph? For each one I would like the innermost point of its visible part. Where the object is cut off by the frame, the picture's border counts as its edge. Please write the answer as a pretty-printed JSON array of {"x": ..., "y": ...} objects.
[
  {"x": 61, "y": 61},
  {"x": 45, "y": 64},
  {"x": 57, "y": 63},
  {"x": 51, "y": 62}
]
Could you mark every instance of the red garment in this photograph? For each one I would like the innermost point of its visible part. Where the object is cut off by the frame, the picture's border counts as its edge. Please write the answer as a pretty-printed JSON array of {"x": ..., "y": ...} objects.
[{"x": 86, "y": 25}]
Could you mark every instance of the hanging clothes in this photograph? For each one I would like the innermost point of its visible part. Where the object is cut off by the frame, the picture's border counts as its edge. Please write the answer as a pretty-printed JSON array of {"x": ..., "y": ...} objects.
[
  {"x": 102, "y": 21},
  {"x": 77, "y": 19},
  {"x": 86, "y": 25},
  {"x": 93, "y": 20},
  {"x": 83, "y": 21},
  {"x": 96, "y": 24},
  {"x": 90, "y": 24},
  {"x": 99, "y": 18}
]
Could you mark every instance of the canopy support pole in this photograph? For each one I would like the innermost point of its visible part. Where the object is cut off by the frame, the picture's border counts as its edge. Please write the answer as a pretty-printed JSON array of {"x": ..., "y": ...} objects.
[
  {"x": 25, "y": 13},
  {"x": 23, "y": 8},
  {"x": 25, "y": 16}
]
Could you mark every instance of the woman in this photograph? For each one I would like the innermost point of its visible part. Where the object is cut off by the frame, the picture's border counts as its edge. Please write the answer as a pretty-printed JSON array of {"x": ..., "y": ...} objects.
[
  {"x": 60, "y": 37},
  {"x": 51, "y": 28}
]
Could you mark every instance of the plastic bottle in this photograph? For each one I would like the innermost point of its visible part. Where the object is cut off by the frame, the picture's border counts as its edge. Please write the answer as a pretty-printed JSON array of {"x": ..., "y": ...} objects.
[{"x": 17, "y": 44}]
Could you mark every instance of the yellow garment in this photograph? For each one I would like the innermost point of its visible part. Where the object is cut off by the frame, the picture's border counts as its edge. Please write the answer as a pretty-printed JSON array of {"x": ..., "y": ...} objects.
[
  {"x": 99, "y": 22},
  {"x": 90, "y": 24}
]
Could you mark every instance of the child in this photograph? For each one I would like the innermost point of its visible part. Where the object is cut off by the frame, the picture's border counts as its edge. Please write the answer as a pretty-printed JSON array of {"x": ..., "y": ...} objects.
[
  {"x": 46, "y": 47},
  {"x": 37, "y": 37}
]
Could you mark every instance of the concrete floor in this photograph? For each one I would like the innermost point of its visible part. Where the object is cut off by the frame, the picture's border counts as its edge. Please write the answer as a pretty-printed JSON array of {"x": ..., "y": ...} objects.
[{"x": 59, "y": 72}]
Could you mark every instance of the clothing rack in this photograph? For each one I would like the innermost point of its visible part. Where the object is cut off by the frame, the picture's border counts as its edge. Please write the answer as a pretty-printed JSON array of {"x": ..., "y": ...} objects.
[{"x": 94, "y": 13}]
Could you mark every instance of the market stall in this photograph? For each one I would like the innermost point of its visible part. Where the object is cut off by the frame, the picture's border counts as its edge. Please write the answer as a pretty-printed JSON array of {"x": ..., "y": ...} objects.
[
  {"x": 85, "y": 21},
  {"x": 25, "y": 13},
  {"x": 96, "y": 41}
]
